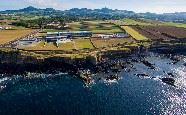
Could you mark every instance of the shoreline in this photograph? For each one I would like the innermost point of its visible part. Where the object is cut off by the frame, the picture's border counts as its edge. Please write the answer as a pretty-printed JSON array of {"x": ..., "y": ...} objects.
[{"x": 16, "y": 62}]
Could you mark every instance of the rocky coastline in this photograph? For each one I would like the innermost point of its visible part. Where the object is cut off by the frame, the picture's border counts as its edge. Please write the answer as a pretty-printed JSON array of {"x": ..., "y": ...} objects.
[{"x": 14, "y": 62}]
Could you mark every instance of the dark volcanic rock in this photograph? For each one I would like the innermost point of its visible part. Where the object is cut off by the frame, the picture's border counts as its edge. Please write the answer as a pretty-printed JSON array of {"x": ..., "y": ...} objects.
[
  {"x": 148, "y": 64},
  {"x": 142, "y": 75},
  {"x": 170, "y": 74},
  {"x": 169, "y": 81}
]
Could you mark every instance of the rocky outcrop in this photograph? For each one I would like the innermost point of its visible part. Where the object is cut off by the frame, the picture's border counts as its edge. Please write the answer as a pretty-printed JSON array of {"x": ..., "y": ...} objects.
[{"x": 14, "y": 62}]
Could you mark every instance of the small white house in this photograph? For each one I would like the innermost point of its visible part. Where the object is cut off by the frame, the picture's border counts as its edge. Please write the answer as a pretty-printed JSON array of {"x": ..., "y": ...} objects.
[
  {"x": 1, "y": 28},
  {"x": 114, "y": 35},
  {"x": 62, "y": 41},
  {"x": 105, "y": 35},
  {"x": 6, "y": 28},
  {"x": 120, "y": 35}
]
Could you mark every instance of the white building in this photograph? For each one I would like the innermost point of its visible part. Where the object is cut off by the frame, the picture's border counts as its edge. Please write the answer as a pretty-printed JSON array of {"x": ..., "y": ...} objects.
[
  {"x": 6, "y": 28},
  {"x": 114, "y": 35},
  {"x": 120, "y": 35},
  {"x": 62, "y": 41},
  {"x": 105, "y": 35}
]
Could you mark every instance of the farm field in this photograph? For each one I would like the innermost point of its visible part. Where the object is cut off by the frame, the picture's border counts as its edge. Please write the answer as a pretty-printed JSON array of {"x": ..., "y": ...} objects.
[
  {"x": 175, "y": 24},
  {"x": 146, "y": 22},
  {"x": 162, "y": 32},
  {"x": 135, "y": 34},
  {"x": 93, "y": 26},
  {"x": 76, "y": 44},
  {"x": 10, "y": 35},
  {"x": 128, "y": 21}
]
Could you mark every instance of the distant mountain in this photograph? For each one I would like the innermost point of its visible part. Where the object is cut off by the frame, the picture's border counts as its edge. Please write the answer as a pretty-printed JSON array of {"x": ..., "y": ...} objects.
[
  {"x": 29, "y": 9},
  {"x": 104, "y": 13}
]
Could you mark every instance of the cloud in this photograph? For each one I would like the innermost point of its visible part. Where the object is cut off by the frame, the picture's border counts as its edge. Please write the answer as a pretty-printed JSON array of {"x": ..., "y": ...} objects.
[{"x": 46, "y": 3}]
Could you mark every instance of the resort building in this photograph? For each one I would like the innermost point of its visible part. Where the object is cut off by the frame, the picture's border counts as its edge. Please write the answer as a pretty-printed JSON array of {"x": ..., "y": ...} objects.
[{"x": 54, "y": 36}]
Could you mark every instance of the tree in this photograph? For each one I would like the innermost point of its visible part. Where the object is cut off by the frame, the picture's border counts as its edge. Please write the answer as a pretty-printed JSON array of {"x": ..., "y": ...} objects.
[{"x": 41, "y": 22}]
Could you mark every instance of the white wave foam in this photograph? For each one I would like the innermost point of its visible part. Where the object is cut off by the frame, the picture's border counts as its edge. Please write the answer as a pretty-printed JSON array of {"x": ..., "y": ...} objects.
[
  {"x": 181, "y": 77},
  {"x": 4, "y": 79}
]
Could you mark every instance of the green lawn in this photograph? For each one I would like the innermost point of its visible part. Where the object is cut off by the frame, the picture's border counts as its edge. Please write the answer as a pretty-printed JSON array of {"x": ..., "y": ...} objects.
[{"x": 83, "y": 44}]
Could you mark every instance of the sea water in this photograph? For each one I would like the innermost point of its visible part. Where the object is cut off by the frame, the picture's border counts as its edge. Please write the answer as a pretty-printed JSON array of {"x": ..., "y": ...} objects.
[{"x": 63, "y": 94}]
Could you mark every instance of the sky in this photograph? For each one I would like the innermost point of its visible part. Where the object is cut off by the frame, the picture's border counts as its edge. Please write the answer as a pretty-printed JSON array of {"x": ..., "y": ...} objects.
[{"x": 154, "y": 6}]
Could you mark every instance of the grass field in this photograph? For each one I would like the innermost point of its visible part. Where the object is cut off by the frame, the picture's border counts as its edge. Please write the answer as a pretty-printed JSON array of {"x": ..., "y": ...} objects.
[
  {"x": 93, "y": 26},
  {"x": 77, "y": 44},
  {"x": 136, "y": 35},
  {"x": 10, "y": 35},
  {"x": 83, "y": 44},
  {"x": 108, "y": 43}
]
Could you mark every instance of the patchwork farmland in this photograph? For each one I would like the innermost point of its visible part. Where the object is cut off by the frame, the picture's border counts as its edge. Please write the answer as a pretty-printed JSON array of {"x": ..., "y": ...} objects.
[
  {"x": 134, "y": 30},
  {"x": 92, "y": 26}
]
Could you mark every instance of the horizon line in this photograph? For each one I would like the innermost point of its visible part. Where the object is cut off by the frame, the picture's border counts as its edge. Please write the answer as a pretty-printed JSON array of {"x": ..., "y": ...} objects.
[{"x": 91, "y": 9}]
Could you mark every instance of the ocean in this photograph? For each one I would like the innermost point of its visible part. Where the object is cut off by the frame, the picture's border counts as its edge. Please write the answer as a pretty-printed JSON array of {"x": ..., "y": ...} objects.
[{"x": 132, "y": 94}]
